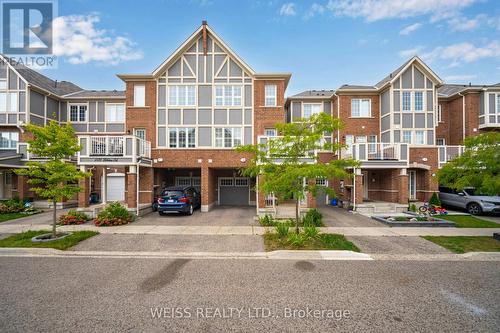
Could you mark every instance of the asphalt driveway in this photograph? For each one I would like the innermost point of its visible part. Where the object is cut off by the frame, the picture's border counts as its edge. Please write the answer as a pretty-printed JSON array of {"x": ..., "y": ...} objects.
[
  {"x": 218, "y": 216},
  {"x": 339, "y": 217}
]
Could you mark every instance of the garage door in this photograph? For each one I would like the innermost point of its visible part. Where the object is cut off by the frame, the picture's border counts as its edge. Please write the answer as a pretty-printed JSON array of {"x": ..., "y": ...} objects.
[
  {"x": 234, "y": 191},
  {"x": 115, "y": 189}
]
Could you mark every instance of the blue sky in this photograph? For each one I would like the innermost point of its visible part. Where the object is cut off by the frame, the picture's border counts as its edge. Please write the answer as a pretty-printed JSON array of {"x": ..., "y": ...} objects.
[{"x": 323, "y": 43}]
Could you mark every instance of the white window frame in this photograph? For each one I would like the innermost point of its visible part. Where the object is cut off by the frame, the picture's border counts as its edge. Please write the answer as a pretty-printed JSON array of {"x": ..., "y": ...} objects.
[
  {"x": 316, "y": 108},
  {"x": 407, "y": 93},
  {"x": 137, "y": 130},
  {"x": 9, "y": 136},
  {"x": 220, "y": 137},
  {"x": 360, "y": 102},
  {"x": 439, "y": 140},
  {"x": 9, "y": 106},
  {"x": 139, "y": 95},
  {"x": 440, "y": 113},
  {"x": 228, "y": 95},
  {"x": 416, "y": 142},
  {"x": 115, "y": 106},
  {"x": 181, "y": 95},
  {"x": 270, "y": 132},
  {"x": 6, "y": 85},
  {"x": 270, "y": 95},
  {"x": 190, "y": 141},
  {"x": 403, "y": 137},
  {"x": 422, "y": 109},
  {"x": 79, "y": 105}
]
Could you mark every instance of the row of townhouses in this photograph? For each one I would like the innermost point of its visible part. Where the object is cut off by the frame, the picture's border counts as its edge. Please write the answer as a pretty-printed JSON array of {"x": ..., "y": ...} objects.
[{"x": 179, "y": 126}]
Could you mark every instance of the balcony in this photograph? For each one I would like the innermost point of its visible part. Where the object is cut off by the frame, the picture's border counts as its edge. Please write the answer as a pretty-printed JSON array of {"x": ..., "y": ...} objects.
[
  {"x": 114, "y": 150},
  {"x": 268, "y": 141},
  {"x": 376, "y": 155},
  {"x": 447, "y": 153}
]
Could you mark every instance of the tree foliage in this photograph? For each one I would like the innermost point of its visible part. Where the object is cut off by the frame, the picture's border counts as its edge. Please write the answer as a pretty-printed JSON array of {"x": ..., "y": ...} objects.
[
  {"x": 478, "y": 166},
  {"x": 283, "y": 163},
  {"x": 53, "y": 177}
]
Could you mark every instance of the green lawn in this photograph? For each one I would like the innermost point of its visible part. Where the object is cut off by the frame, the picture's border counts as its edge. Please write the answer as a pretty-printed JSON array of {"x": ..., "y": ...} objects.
[
  {"x": 11, "y": 216},
  {"x": 468, "y": 221},
  {"x": 274, "y": 242},
  {"x": 24, "y": 239},
  {"x": 463, "y": 244}
]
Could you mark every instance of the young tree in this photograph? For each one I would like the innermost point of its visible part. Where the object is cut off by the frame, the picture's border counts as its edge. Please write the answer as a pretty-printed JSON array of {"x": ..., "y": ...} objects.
[
  {"x": 285, "y": 164},
  {"x": 55, "y": 177},
  {"x": 478, "y": 166}
]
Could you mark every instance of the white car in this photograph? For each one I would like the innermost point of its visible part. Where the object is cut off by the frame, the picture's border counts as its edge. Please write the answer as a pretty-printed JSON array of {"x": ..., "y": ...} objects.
[{"x": 474, "y": 203}]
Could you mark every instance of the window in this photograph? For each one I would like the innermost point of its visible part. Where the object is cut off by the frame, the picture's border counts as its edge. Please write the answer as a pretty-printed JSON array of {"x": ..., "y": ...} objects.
[
  {"x": 228, "y": 95},
  {"x": 361, "y": 108},
  {"x": 226, "y": 181},
  {"x": 270, "y": 132},
  {"x": 181, "y": 95},
  {"x": 440, "y": 114},
  {"x": 440, "y": 142},
  {"x": 406, "y": 137},
  {"x": 498, "y": 103},
  {"x": 419, "y": 101},
  {"x": 3, "y": 84},
  {"x": 310, "y": 109},
  {"x": 241, "y": 182},
  {"x": 270, "y": 94},
  {"x": 3, "y": 102},
  {"x": 139, "y": 95},
  {"x": 406, "y": 101},
  {"x": 419, "y": 137},
  {"x": 115, "y": 112},
  {"x": 78, "y": 112},
  {"x": 9, "y": 140},
  {"x": 8, "y": 102},
  {"x": 140, "y": 133},
  {"x": 321, "y": 182},
  {"x": 182, "y": 137},
  {"x": 227, "y": 137}
]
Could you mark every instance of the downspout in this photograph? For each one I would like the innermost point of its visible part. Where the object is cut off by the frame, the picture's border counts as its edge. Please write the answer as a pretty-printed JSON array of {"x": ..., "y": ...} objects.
[
  {"x": 137, "y": 189},
  {"x": 463, "y": 116},
  {"x": 354, "y": 190}
]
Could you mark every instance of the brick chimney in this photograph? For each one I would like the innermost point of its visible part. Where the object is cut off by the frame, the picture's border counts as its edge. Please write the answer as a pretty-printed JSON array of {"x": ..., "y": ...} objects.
[{"x": 204, "y": 31}]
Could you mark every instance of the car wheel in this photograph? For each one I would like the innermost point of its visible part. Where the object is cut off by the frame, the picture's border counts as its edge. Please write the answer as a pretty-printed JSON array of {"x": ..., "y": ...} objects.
[
  {"x": 474, "y": 209},
  {"x": 161, "y": 213},
  {"x": 190, "y": 210}
]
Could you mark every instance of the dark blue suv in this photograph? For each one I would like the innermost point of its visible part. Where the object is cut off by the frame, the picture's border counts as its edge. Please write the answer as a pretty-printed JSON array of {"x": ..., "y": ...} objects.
[{"x": 179, "y": 199}]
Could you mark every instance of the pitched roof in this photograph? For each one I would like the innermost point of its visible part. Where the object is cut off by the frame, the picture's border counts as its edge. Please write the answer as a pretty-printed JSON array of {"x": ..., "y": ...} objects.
[
  {"x": 356, "y": 87},
  {"x": 34, "y": 78},
  {"x": 97, "y": 94},
  {"x": 393, "y": 74},
  {"x": 448, "y": 90},
  {"x": 314, "y": 94}
]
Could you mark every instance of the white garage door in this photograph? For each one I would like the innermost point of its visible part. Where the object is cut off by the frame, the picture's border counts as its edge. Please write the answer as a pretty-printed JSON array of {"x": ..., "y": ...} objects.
[{"x": 115, "y": 189}]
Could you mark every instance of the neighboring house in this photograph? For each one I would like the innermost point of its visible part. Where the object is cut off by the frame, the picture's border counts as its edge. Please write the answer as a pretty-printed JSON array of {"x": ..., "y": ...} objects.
[{"x": 179, "y": 126}]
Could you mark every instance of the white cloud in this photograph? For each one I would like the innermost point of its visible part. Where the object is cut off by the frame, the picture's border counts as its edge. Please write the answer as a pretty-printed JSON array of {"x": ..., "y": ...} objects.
[
  {"x": 410, "y": 52},
  {"x": 374, "y": 10},
  {"x": 315, "y": 9},
  {"x": 288, "y": 9},
  {"x": 411, "y": 28},
  {"x": 77, "y": 38},
  {"x": 464, "y": 77},
  {"x": 494, "y": 22},
  {"x": 462, "y": 23},
  {"x": 463, "y": 52}
]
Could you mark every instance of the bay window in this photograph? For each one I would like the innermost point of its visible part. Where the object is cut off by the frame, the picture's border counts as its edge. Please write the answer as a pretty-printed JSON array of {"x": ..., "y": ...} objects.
[
  {"x": 227, "y": 137},
  {"x": 184, "y": 95},
  {"x": 182, "y": 137},
  {"x": 360, "y": 108},
  {"x": 115, "y": 112},
  {"x": 227, "y": 95},
  {"x": 310, "y": 109}
]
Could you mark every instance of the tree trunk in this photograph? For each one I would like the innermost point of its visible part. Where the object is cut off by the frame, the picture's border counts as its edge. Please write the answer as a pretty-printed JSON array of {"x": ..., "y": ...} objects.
[
  {"x": 297, "y": 231},
  {"x": 54, "y": 219}
]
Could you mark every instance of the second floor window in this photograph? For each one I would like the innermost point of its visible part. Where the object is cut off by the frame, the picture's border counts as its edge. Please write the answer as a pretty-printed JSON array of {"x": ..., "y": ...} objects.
[
  {"x": 270, "y": 91},
  {"x": 270, "y": 132},
  {"x": 419, "y": 101},
  {"x": 228, "y": 95},
  {"x": 78, "y": 113},
  {"x": 406, "y": 137},
  {"x": 419, "y": 137},
  {"x": 139, "y": 95},
  {"x": 3, "y": 84},
  {"x": 360, "y": 108},
  {"x": 310, "y": 109},
  {"x": 8, "y": 102},
  {"x": 406, "y": 101},
  {"x": 181, "y": 95},
  {"x": 227, "y": 137},
  {"x": 9, "y": 140},
  {"x": 115, "y": 112},
  {"x": 182, "y": 137},
  {"x": 440, "y": 114}
]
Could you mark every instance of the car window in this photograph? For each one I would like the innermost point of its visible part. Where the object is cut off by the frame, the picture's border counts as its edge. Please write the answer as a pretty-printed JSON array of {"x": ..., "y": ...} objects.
[
  {"x": 445, "y": 189},
  {"x": 170, "y": 193}
]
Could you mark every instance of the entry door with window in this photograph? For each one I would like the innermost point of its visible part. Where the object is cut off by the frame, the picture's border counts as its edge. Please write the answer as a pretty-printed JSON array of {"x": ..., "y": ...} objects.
[{"x": 412, "y": 184}]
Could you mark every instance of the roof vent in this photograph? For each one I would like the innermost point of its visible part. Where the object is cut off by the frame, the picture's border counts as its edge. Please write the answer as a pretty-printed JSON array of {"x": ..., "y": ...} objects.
[
  {"x": 390, "y": 75},
  {"x": 470, "y": 84}
]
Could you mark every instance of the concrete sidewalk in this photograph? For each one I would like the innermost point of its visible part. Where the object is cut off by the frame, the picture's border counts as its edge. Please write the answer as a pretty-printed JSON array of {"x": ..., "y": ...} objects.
[{"x": 254, "y": 230}]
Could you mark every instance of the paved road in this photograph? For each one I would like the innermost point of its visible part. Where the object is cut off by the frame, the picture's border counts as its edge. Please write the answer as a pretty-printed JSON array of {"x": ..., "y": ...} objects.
[{"x": 89, "y": 294}]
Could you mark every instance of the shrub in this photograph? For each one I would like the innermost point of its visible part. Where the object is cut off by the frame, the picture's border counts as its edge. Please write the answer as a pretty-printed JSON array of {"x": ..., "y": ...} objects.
[
  {"x": 282, "y": 229},
  {"x": 313, "y": 218},
  {"x": 113, "y": 214},
  {"x": 266, "y": 221},
  {"x": 13, "y": 205},
  {"x": 434, "y": 200},
  {"x": 311, "y": 232},
  {"x": 296, "y": 240},
  {"x": 413, "y": 208},
  {"x": 73, "y": 217}
]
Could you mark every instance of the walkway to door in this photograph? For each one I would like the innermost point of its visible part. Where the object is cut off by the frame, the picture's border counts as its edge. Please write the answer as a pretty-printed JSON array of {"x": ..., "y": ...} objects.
[{"x": 339, "y": 217}]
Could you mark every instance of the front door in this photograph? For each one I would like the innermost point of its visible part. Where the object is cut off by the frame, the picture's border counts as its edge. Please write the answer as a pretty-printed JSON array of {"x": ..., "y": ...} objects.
[
  {"x": 412, "y": 184},
  {"x": 365, "y": 184},
  {"x": 321, "y": 196}
]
